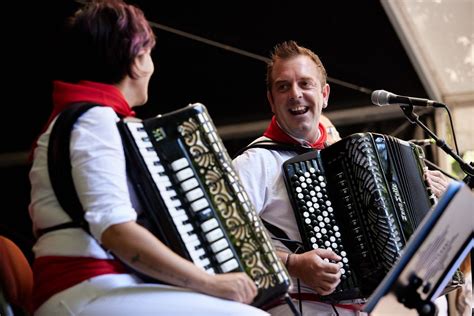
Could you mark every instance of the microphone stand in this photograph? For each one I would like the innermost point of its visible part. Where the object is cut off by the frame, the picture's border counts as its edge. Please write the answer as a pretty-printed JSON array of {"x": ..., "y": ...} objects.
[{"x": 467, "y": 168}]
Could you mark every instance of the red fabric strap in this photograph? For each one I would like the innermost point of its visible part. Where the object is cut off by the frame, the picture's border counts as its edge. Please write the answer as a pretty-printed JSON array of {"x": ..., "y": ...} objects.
[
  {"x": 53, "y": 274},
  {"x": 275, "y": 133}
]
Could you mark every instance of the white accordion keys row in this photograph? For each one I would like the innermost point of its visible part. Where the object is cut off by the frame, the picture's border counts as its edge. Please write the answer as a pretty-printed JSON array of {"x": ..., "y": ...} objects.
[{"x": 194, "y": 195}]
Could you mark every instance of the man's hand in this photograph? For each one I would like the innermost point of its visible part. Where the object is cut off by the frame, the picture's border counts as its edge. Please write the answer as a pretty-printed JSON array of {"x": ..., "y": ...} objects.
[
  {"x": 315, "y": 269},
  {"x": 437, "y": 181}
]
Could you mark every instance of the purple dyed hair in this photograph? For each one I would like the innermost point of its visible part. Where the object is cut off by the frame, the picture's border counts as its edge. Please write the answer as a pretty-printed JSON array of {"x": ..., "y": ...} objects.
[{"x": 103, "y": 39}]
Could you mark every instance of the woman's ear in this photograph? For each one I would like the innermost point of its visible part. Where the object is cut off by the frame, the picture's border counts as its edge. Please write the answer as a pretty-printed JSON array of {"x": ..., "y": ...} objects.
[{"x": 141, "y": 64}]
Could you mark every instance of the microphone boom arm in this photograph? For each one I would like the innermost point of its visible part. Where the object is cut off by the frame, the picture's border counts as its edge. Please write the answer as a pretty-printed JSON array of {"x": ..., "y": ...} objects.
[{"x": 467, "y": 168}]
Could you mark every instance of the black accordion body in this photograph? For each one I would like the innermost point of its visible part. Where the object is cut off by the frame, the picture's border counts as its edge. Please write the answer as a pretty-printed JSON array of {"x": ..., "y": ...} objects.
[
  {"x": 362, "y": 197},
  {"x": 194, "y": 202}
]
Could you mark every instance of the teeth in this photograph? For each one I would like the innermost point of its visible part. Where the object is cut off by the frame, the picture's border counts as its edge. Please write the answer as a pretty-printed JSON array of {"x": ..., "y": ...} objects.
[{"x": 300, "y": 108}]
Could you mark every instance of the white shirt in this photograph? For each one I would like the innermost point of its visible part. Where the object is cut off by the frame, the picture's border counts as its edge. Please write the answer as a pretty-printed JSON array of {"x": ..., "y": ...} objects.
[
  {"x": 261, "y": 173},
  {"x": 99, "y": 174}
]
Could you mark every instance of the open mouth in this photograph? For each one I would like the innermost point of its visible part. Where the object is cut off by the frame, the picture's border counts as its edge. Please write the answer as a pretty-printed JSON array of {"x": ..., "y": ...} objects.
[{"x": 298, "y": 110}]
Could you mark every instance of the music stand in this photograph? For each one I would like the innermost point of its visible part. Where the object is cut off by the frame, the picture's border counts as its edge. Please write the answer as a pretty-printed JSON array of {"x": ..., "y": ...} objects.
[{"x": 431, "y": 256}]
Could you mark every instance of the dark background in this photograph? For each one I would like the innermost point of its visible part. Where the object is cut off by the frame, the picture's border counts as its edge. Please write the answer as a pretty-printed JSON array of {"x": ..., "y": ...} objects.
[{"x": 354, "y": 39}]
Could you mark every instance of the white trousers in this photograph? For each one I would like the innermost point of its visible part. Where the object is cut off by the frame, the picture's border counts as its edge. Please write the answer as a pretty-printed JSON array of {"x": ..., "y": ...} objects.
[{"x": 122, "y": 294}]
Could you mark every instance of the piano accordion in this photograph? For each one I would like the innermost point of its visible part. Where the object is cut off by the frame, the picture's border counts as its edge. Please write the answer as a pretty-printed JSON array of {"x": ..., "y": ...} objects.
[
  {"x": 362, "y": 197},
  {"x": 193, "y": 201}
]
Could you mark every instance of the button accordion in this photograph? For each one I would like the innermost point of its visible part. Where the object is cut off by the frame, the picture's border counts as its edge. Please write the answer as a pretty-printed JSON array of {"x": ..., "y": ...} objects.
[
  {"x": 193, "y": 201},
  {"x": 362, "y": 197}
]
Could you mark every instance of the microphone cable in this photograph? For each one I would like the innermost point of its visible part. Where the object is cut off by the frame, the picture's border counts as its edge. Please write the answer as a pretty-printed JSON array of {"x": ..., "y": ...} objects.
[{"x": 452, "y": 128}]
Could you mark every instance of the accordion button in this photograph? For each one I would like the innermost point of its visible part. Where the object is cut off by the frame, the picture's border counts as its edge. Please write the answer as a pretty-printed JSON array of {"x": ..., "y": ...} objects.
[
  {"x": 229, "y": 265},
  {"x": 219, "y": 245},
  {"x": 214, "y": 235},
  {"x": 189, "y": 184},
  {"x": 179, "y": 164},
  {"x": 209, "y": 224},
  {"x": 224, "y": 255},
  {"x": 184, "y": 174},
  {"x": 194, "y": 194},
  {"x": 199, "y": 204}
]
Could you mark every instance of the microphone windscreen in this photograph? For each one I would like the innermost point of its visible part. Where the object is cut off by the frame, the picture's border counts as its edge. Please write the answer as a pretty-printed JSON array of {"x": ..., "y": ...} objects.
[{"x": 380, "y": 97}]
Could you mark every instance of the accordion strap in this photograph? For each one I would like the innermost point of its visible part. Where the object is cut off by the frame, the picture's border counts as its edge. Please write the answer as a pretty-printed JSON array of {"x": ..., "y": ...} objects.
[
  {"x": 273, "y": 145},
  {"x": 59, "y": 167},
  {"x": 293, "y": 245}
]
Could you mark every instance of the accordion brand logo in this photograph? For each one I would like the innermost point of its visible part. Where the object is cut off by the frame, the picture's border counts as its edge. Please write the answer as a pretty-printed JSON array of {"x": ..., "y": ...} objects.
[
  {"x": 159, "y": 134},
  {"x": 399, "y": 201}
]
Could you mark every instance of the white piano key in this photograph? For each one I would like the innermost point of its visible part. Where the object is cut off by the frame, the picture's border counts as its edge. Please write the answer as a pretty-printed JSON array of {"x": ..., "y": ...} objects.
[
  {"x": 148, "y": 152},
  {"x": 229, "y": 265},
  {"x": 205, "y": 262},
  {"x": 194, "y": 194},
  {"x": 189, "y": 184},
  {"x": 188, "y": 237},
  {"x": 176, "y": 212},
  {"x": 169, "y": 193},
  {"x": 184, "y": 174},
  {"x": 209, "y": 225},
  {"x": 151, "y": 160},
  {"x": 156, "y": 168},
  {"x": 196, "y": 254},
  {"x": 199, "y": 204},
  {"x": 214, "y": 235},
  {"x": 224, "y": 255},
  {"x": 179, "y": 220},
  {"x": 179, "y": 164},
  {"x": 161, "y": 181},
  {"x": 219, "y": 245},
  {"x": 185, "y": 229},
  {"x": 193, "y": 244}
]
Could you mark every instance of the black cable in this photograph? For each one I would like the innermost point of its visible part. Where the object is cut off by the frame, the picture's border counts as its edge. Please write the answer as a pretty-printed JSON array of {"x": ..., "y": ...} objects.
[
  {"x": 300, "y": 301},
  {"x": 292, "y": 306},
  {"x": 335, "y": 309},
  {"x": 452, "y": 128}
]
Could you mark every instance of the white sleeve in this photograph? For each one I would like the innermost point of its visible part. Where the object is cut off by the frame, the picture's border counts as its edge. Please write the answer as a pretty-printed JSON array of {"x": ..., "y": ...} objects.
[
  {"x": 251, "y": 168},
  {"x": 99, "y": 170}
]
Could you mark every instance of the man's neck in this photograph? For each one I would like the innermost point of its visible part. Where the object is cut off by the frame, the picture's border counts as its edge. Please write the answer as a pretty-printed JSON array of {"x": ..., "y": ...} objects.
[{"x": 302, "y": 141}]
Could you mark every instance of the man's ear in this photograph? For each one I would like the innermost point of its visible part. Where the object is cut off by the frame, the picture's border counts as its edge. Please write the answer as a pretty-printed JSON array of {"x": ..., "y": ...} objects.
[
  {"x": 326, "y": 90},
  {"x": 270, "y": 100}
]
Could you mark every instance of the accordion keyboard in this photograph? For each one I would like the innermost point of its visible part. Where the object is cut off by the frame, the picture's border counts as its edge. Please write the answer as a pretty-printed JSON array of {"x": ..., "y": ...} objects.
[
  {"x": 307, "y": 188},
  {"x": 191, "y": 198},
  {"x": 185, "y": 180}
]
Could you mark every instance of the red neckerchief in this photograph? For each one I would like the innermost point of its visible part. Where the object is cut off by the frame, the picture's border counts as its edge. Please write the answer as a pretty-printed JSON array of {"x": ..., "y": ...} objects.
[
  {"x": 65, "y": 93},
  {"x": 275, "y": 133}
]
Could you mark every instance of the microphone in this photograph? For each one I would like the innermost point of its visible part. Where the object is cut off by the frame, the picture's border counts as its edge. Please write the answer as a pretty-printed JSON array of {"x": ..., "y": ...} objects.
[{"x": 383, "y": 98}]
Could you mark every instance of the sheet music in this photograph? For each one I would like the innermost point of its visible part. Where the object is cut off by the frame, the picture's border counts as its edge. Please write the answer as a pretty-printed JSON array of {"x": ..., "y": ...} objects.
[{"x": 434, "y": 252}]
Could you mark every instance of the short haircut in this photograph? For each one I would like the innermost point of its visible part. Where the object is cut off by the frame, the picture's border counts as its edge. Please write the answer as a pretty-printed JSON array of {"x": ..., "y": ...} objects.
[
  {"x": 290, "y": 49},
  {"x": 102, "y": 40}
]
